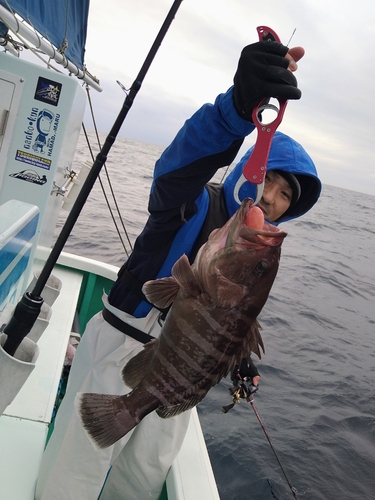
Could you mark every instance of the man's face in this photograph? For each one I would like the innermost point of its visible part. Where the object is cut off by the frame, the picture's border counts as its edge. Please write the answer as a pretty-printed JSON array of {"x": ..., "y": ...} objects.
[{"x": 277, "y": 196}]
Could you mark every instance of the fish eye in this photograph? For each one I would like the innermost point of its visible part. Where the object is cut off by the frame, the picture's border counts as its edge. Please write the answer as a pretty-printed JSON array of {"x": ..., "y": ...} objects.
[{"x": 261, "y": 268}]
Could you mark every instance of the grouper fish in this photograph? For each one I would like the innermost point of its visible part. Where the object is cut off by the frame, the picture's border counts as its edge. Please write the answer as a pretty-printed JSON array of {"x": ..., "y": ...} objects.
[{"x": 210, "y": 327}]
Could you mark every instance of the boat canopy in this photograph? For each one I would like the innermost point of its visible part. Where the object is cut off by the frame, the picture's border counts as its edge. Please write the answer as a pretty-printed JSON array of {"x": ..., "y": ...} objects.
[{"x": 62, "y": 22}]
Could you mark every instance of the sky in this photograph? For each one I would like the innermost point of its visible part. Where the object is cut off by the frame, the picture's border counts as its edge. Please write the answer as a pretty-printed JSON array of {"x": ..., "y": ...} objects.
[{"x": 198, "y": 58}]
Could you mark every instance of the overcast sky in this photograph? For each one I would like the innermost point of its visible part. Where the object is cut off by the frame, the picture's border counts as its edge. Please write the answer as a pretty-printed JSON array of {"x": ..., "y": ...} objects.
[{"x": 198, "y": 58}]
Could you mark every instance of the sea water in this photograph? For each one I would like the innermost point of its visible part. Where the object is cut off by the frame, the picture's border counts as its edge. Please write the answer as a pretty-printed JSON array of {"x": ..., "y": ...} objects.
[{"x": 317, "y": 391}]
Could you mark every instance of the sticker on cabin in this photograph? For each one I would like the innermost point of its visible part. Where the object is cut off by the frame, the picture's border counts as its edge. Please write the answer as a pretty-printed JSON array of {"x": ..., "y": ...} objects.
[
  {"x": 48, "y": 91},
  {"x": 30, "y": 176},
  {"x": 34, "y": 160},
  {"x": 40, "y": 131}
]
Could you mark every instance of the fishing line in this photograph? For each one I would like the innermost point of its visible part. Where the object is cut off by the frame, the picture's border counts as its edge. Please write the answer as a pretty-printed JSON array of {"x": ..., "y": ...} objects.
[
  {"x": 28, "y": 308},
  {"x": 271, "y": 488},
  {"x": 292, "y": 488},
  {"x": 291, "y": 37},
  {"x": 244, "y": 389}
]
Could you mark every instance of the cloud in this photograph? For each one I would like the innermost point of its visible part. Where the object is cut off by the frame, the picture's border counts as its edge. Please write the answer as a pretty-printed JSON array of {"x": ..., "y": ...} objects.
[{"x": 199, "y": 55}]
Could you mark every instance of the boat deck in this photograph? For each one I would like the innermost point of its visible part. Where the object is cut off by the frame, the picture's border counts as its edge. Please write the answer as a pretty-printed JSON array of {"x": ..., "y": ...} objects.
[{"x": 25, "y": 423}]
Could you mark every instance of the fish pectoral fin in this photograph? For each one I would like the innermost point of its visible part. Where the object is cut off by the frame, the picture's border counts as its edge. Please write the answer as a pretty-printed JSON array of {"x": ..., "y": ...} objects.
[
  {"x": 172, "y": 411},
  {"x": 185, "y": 277},
  {"x": 135, "y": 369},
  {"x": 161, "y": 292}
]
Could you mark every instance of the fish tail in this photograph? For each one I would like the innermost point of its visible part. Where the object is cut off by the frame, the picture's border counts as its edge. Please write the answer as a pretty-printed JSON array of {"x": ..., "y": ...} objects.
[{"x": 105, "y": 418}]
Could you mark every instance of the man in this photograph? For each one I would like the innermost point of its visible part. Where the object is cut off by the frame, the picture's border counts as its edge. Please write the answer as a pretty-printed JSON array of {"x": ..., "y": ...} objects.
[{"x": 182, "y": 214}]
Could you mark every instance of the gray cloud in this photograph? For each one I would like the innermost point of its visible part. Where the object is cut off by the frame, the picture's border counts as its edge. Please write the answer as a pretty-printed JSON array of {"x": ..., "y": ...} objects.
[{"x": 198, "y": 58}]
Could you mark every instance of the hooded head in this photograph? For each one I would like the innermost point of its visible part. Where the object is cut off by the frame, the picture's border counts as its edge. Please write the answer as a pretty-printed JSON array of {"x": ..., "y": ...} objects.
[{"x": 290, "y": 160}]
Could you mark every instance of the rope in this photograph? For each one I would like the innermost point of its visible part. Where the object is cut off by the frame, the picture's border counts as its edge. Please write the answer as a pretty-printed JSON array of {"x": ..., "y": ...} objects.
[
  {"x": 105, "y": 195},
  {"x": 109, "y": 183},
  {"x": 64, "y": 44}
]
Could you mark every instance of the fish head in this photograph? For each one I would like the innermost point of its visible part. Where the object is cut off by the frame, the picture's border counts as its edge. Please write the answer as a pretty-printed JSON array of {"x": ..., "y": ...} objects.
[{"x": 238, "y": 264}]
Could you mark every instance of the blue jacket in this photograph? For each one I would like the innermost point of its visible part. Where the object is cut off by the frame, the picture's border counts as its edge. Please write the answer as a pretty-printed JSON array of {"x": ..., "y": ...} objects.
[{"x": 179, "y": 202}]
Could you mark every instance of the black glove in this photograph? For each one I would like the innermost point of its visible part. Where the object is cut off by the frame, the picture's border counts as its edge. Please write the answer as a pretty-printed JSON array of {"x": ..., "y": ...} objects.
[
  {"x": 246, "y": 371},
  {"x": 262, "y": 73}
]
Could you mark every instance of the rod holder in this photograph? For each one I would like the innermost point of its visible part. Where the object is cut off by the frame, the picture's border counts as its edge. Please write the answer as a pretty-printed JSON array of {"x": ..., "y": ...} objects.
[
  {"x": 15, "y": 370},
  {"x": 41, "y": 323},
  {"x": 51, "y": 289}
]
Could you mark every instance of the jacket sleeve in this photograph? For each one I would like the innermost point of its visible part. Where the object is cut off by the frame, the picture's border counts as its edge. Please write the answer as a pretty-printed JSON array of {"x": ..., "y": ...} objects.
[{"x": 209, "y": 140}]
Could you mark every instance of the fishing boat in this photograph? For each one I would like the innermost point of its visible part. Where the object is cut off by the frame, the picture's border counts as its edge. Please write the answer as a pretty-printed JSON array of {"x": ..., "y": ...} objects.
[{"x": 41, "y": 113}]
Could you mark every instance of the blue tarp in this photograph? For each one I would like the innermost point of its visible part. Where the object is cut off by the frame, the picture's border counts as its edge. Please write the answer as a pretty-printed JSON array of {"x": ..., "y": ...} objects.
[{"x": 57, "y": 20}]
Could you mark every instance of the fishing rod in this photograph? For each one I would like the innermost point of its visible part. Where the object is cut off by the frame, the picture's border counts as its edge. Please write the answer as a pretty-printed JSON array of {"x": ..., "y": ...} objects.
[
  {"x": 29, "y": 307},
  {"x": 292, "y": 488},
  {"x": 243, "y": 390}
]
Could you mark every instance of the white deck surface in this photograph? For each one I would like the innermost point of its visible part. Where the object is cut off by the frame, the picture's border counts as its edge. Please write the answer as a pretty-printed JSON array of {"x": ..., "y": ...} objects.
[
  {"x": 24, "y": 424},
  {"x": 36, "y": 399},
  {"x": 22, "y": 444}
]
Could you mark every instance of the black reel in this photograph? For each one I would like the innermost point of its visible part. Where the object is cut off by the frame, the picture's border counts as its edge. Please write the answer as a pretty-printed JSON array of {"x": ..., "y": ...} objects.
[{"x": 242, "y": 389}]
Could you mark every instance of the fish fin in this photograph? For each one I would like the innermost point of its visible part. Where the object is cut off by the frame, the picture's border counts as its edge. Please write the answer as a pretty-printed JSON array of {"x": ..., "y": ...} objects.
[
  {"x": 135, "y": 369},
  {"x": 199, "y": 392},
  {"x": 105, "y": 418},
  {"x": 161, "y": 292},
  {"x": 183, "y": 273},
  {"x": 257, "y": 340},
  {"x": 172, "y": 411},
  {"x": 253, "y": 342}
]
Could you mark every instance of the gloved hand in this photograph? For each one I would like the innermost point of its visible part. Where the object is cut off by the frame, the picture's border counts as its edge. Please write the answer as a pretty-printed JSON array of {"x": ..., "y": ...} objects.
[
  {"x": 246, "y": 371},
  {"x": 263, "y": 73}
]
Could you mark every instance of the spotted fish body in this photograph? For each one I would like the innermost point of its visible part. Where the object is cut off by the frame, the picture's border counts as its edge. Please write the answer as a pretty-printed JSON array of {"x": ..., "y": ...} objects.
[{"x": 210, "y": 328}]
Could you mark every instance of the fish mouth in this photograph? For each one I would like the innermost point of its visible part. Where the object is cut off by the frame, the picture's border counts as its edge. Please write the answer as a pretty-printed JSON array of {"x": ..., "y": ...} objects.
[{"x": 268, "y": 235}]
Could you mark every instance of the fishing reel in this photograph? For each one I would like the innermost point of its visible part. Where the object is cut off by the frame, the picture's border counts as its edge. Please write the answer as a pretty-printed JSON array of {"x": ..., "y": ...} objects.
[{"x": 242, "y": 389}]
